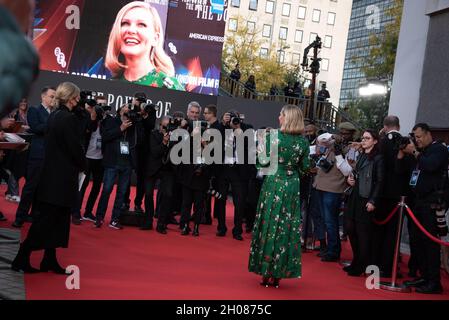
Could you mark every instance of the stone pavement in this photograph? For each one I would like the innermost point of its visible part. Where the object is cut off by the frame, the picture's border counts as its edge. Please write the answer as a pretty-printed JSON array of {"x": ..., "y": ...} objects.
[{"x": 12, "y": 286}]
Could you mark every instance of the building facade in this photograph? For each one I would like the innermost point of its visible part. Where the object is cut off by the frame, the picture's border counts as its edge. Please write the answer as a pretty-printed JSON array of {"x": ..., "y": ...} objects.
[
  {"x": 368, "y": 17},
  {"x": 420, "y": 91},
  {"x": 290, "y": 26}
]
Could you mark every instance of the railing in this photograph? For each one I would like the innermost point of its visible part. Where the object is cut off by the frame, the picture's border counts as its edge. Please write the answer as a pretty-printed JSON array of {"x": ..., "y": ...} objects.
[{"x": 324, "y": 114}]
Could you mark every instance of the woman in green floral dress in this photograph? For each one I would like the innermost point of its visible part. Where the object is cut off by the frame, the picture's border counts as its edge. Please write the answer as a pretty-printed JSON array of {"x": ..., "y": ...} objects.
[{"x": 276, "y": 245}]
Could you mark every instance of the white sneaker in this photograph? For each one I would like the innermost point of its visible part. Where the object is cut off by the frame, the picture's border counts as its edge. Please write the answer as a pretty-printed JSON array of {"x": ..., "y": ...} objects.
[
  {"x": 8, "y": 197},
  {"x": 15, "y": 199}
]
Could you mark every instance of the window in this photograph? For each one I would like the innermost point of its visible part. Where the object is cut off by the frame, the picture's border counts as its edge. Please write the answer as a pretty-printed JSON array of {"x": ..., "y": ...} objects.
[
  {"x": 269, "y": 7},
  {"x": 251, "y": 26},
  {"x": 312, "y": 37},
  {"x": 296, "y": 59},
  {"x": 283, "y": 33},
  {"x": 331, "y": 18},
  {"x": 316, "y": 15},
  {"x": 263, "y": 53},
  {"x": 298, "y": 35},
  {"x": 253, "y": 5},
  {"x": 325, "y": 64},
  {"x": 286, "y": 9},
  {"x": 302, "y": 12},
  {"x": 281, "y": 56},
  {"x": 235, "y": 3},
  {"x": 266, "y": 32},
  {"x": 328, "y": 41},
  {"x": 232, "y": 24}
]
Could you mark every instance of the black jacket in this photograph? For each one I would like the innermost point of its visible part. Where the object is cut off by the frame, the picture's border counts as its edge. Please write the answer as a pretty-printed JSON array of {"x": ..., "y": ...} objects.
[
  {"x": 112, "y": 135},
  {"x": 433, "y": 164},
  {"x": 395, "y": 182},
  {"x": 158, "y": 157},
  {"x": 37, "y": 120},
  {"x": 64, "y": 160},
  {"x": 370, "y": 177}
]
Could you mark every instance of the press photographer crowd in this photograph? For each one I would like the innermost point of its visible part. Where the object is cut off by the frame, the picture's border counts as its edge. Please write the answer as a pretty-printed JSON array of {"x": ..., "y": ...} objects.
[{"x": 350, "y": 185}]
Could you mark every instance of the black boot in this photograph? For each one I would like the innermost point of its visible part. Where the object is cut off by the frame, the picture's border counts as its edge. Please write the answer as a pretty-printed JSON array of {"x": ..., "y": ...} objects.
[
  {"x": 196, "y": 231},
  {"x": 22, "y": 260},
  {"x": 50, "y": 263}
]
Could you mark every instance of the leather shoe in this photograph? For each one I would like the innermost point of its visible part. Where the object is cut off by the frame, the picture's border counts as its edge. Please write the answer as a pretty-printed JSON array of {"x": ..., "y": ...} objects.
[
  {"x": 415, "y": 282},
  {"x": 161, "y": 230},
  {"x": 238, "y": 237},
  {"x": 430, "y": 288}
]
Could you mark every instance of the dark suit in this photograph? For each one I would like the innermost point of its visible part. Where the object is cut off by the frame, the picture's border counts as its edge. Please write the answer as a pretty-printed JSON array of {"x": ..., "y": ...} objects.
[
  {"x": 57, "y": 191},
  {"x": 237, "y": 177},
  {"x": 37, "y": 120},
  {"x": 158, "y": 168},
  {"x": 395, "y": 186}
]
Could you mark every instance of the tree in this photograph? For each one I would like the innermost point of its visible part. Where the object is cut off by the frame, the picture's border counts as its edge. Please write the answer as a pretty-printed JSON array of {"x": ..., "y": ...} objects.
[
  {"x": 381, "y": 60},
  {"x": 243, "y": 46}
]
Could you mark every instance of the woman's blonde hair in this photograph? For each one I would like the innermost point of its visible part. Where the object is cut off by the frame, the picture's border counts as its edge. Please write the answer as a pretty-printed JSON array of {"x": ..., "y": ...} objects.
[
  {"x": 294, "y": 120},
  {"x": 158, "y": 57},
  {"x": 64, "y": 92}
]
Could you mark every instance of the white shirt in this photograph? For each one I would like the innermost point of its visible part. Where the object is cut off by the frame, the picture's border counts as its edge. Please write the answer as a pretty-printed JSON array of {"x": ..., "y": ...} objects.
[{"x": 94, "y": 148}]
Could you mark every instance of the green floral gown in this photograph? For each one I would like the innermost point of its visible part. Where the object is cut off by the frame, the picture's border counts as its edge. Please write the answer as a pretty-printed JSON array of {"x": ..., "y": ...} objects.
[{"x": 276, "y": 244}]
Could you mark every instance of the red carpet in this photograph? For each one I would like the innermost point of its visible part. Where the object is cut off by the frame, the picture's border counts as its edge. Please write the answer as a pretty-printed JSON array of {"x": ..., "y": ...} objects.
[{"x": 135, "y": 264}]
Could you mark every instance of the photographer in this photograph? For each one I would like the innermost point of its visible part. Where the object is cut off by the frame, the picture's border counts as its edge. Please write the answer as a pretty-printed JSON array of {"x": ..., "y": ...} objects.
[
  {"x": 235, "y": 173},
  {"x": 428, "y": 182},
  {"x": 94, "y": 158},
  {"x": 210, "y": 115},
  {"x": 144, "y": 115},
  {"x": 87, "y": 123},
  {"x": 159, "y": 167},
  {"x": 120, "y": 137},
  {"x": 395, "y": 186},
  {"x": 330, "y": 183}
]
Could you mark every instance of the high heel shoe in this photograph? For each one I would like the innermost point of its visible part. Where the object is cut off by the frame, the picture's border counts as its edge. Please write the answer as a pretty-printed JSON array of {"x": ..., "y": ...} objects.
[
  {"x": 276, "y": 282},
  {"x": 265, "y": 282}
]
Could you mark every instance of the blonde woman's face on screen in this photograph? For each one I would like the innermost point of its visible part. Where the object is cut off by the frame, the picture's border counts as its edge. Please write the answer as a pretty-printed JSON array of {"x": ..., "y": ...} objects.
[{"x": 137, "y": 33}]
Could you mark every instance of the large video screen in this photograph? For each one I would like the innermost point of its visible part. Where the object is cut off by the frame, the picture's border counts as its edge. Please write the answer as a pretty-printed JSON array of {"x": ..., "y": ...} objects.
[{"x": 174, "y": 44}]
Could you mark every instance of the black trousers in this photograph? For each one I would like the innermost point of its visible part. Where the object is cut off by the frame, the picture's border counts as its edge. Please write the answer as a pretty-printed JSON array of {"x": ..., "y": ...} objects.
[
  {"x": 96, "y": 170},
  {"x": 165, "y": 198},
  {"x": 192, "y": 197},
  {"x": 384, "y": 236},
  {"x": 50, "y": 228},
  {"x": 239, "y": 193},
  {"x": 140, "y": 181},
  {"x": 360, "y": 237},
  {"x": 427, "y": 252},
  {"x": 33, "y": 175}
]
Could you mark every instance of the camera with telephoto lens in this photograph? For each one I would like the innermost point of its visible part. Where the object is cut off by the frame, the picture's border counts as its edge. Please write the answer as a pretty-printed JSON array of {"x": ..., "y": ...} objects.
[
  {"x": 402, "y": 142},
  {"x": 236, "y": 119},
  {"x": 173, "y": 125},
  {"x": 87, "y": 97}
]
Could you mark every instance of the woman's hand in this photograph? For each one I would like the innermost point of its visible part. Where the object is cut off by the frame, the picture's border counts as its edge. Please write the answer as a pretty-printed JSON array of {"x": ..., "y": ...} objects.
[{"x": 370, "y": 207}]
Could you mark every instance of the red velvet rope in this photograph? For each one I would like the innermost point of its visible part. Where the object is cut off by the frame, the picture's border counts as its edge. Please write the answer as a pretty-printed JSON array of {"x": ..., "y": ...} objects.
[
  {"x": 431, "y": 237},
  {"x": 390, "y": 216}
]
